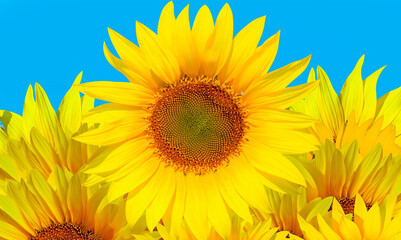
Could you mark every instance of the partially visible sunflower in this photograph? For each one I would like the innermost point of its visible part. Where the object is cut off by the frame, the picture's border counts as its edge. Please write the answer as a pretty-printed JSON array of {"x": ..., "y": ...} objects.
[
  {"x": 355, "y": 114},
  {"x": 376, "y": 223},
  {"x": 241, "y": 230},
  {"x": 42, "y": 138},
  {"x": 201, "y": 127},
  {"x": 60, "y": 208},
  {"x": 285, "y": 208},
  {"x": 339, "y": 173}
]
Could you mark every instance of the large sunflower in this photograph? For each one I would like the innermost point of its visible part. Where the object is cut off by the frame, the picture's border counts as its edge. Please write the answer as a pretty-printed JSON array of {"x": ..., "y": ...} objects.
[
  {"x": 60, "y": 208},
  {"x": 355, "y": 114},
  {"x": 376, "y": 223},
  {"x": 42, "y": 138},
  {"x": 343, "y": 174},
  {"x": 201, "y": 126}
]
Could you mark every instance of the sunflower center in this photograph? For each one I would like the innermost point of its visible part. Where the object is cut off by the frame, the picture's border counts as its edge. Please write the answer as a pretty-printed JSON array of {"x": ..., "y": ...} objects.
[
  {"x": 64, "y": 231},
  {"x": 197, "y": 125},
  {"x": 348, "y": 205}
]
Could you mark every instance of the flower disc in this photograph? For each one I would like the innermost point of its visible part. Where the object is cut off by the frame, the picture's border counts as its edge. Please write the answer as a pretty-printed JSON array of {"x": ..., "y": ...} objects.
[
  {"x": 196, "y": 125},
  {"x": 65, "y": 231}
]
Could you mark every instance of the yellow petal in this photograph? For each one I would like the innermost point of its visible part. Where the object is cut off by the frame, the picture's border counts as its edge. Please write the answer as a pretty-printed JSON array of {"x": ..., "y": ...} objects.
[
  {"x": 160, "y": 59},
  {"x": 112, "y": 133},
  {"x": 308, "y": 230},
  {"x": 369, "y": 94},
  {"x": 258, "y": 64},
  {"x": 348, "y": 229},
  {"x": 268, "y": 118},
  {"x": 184, "y": 45},
  {"x": 133, "y": 62},
  {"x": 272, "y": 162},
  {"x": 218, "y": 46},
  {"x": 232, "y": 198},
  {"x": 13, "y": 123},
  {"x": 331, "y": 109},
  {"x": 351, "y": 95},
  {"x": 326, "y": 229},
  {"x": 195, "y": 207},
  {"x": 70, "y": 111},
  {"x": 280, "y": 78},
  {"x": 159, "y": 205},
  {"x": 217, "y": 210},
  {"x": 118, "y": 92},
  {"x": 244, "y": 45},
  {"x": 166, "y": 23},
  {"x": 122, "y": 155},
  {"x": 29, "y": 112},
  {"x": 140, "y": 199},
  {"x": 284, "y": 98},
  {"x": 285, "y": 141},
  {"x": 129, "y": 70},
  {"x": 202, "y": 28},
  {"x": 141, "y": 174},
  {"x": 372, "y": 223},
  {"x": 243, "y": 175},
  {"x": 179, "y": 204}
]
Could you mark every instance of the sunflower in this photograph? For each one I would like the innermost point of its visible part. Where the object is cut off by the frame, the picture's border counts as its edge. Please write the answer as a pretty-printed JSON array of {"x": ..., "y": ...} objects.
[
  {"x": 285, "y": 208},
  {"x": 201, "y": 127},
  {"x": 42, "y": 138},
  {"x": 60, "y": 208},
  {"x": 339, "y": 173},
  {"x": 376, "y": 223},
  {"x": 355, "y": 114}
]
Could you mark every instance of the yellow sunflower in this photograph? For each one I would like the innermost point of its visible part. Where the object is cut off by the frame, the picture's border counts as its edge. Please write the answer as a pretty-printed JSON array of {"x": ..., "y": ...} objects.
[
  {"x": 60, "y": 208},
  {"x": 42, "y": 138},
  {"x": 376, "y": 223},
  {"x": 338, "y": 173},
  {"x": 285, "y": 208},
  {"x": 355, "y": 114},
  {"x": 201, "y": 126}
]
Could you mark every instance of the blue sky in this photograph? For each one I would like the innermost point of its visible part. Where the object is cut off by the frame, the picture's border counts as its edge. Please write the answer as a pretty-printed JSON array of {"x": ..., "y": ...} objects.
[{"x": 50, "y": 42}]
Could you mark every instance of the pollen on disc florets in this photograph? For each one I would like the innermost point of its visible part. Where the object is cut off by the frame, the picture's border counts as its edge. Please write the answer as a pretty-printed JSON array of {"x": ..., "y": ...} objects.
[
  {"x": 64, "y": 231},
  {"x": 348, "y": 205},
  {"x": 197, "y": 124}
]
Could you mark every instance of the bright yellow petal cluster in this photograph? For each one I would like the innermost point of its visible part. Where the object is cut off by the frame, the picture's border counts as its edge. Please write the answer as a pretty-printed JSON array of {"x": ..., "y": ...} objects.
[
  {"x": 355, "y": 114},
  {"x": 41, "y": 209},
  {"x": 42, "y": 138},
  {"x": 376, "y": 223},
  {"x": 344, "y": 173}
]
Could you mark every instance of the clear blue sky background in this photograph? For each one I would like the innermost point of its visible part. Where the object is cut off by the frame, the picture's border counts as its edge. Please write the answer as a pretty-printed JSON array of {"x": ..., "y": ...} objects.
[{"x": 50, "y": 42}]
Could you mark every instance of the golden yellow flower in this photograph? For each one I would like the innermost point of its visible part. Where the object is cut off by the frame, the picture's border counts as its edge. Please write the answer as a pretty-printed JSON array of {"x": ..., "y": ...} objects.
[
  {"x": 355, "y": 114},
  {"x": 42, "y": 138},
  {"x": 285, "y": 208},
  {"x": 338, "y": 173},
  {"x": 60, "y": 208},
  {"x": 376, "y": 223},
  {"x": 201, "y": 127}
]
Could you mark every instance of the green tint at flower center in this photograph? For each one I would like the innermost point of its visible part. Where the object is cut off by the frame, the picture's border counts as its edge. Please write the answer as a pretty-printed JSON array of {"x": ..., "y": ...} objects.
[{"x": 197, "y": 125}]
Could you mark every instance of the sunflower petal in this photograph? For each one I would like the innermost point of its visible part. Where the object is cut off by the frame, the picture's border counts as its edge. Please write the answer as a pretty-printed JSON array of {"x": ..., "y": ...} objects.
[
  {"x": 218, "y": 46},
  {"x": 118, "y": 92}
]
